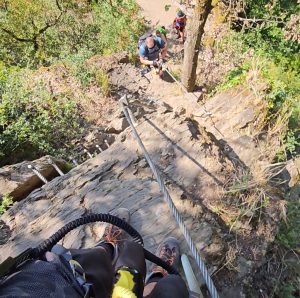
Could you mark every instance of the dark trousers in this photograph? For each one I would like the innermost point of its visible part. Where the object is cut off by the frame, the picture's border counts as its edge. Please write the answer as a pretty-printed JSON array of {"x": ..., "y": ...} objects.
[
  {"x": 100, "y": 272},
  {"x": 166, "y": 287}
]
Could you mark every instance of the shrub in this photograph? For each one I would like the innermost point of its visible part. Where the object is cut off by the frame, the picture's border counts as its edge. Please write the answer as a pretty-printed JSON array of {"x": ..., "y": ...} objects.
[
  {"x": 288, "y": 235},
  {"x": 6, "y": 202},
  {"x": 102, "y": 80},
  {"x": 33, "y": 121},
  {"x": 264, "y": 35}
]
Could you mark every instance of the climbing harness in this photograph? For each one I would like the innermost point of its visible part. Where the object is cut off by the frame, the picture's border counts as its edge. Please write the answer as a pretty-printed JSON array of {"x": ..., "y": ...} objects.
[
  {"x": 11, "y": 264},
  {"x": 210, "y": 285}
]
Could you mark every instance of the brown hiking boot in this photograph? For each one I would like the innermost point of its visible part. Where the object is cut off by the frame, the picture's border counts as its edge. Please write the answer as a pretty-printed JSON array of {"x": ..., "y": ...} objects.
[
  {"x": 113, "y": 234},
  {"x": 168, "y": 251}
]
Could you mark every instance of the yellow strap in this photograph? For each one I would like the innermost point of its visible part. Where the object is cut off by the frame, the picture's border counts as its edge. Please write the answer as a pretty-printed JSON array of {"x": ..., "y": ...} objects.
[
  {"x": 124, "y": 286},
  {"x": 120, "y": 292}
]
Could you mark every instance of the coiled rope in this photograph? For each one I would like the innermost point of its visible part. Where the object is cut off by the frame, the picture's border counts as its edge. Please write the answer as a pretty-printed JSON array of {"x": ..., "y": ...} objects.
[
  {"x": 209, "y": 283},
  {"x": 10, "y": 264}
]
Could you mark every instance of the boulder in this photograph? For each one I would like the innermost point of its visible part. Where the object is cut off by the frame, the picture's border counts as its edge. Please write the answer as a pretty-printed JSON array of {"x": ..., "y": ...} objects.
[
  {"x": 18, "y": 180},
  {"x": 117, "y": 125}
]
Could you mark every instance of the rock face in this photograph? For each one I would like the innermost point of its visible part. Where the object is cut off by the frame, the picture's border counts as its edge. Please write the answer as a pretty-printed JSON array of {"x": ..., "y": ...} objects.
[
  {"x": 18, "y": 180},
  {"x": 196, "y": 166},
  {"x": 205, "y": 153}
]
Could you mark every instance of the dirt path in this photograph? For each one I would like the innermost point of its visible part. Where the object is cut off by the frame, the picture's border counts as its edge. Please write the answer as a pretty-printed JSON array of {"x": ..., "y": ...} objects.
[{"x": 157, "y": 12}]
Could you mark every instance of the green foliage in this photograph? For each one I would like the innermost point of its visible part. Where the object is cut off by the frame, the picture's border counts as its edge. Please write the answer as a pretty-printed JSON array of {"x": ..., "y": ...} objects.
[
  {"x": 287, "y": 291},
  {"x": 264, "y": 39},
  {"x": 282, "y": 94},
  {"x": 288, "y": 235},
  {"x": 118, "y": 30},
  {"x": 176, "y": 74},
  {"x": 33, "y": 121},
  {"x": 167, "y": 7},
  {"x": 102, "y": 80},
  {"x": 76, "y": 64},
  {"x": 87, "y": 74},
  {"x": 234, "y": 77},
  {"x": 282, "y": 60},
  {"x": 6, "y": 202},
  {"x": 68, "y": 167},
  {"x": 36, "y": 33}
]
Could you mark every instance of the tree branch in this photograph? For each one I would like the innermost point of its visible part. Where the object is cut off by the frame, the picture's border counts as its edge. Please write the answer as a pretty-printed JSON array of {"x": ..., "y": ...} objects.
[
  {"x": 58, "y": 5},
  {"x": 38, "y": 32},
  {"x": 254, "y": 20},
  {"x": 14, "y": 36}
]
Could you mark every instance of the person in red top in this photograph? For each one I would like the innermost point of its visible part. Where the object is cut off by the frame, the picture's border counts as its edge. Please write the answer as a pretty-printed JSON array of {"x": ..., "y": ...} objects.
[{"x": 179, "y": 24}]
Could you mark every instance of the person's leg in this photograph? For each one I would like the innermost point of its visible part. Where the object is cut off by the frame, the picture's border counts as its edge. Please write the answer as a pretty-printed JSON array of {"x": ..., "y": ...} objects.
[
  {"x": 178, "y": 32},
  {"x": 159, "y": 282},
  {"x": 132, "y": 260},
  {"x": 98, "y": 262},
  {"x": 167, "y": 287},
  {"x": 97, "y": 266},
  {"x": 99, "y": 271},
  {"x": 163, "y": 53},
  {"x": 182, "y": 34}
]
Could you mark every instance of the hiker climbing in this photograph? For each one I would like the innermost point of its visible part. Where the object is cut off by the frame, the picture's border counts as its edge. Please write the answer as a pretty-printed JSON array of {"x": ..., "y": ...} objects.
[
  {"x": 152, "y": 51},
  {"x": 162, "y": 33},
  {"x": 115, "y": 267},
  {"x": 179, "y": 24}
]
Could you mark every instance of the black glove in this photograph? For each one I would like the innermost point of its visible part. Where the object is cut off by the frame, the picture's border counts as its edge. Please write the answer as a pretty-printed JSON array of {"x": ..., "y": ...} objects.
[{"x": 155, "y": 64}]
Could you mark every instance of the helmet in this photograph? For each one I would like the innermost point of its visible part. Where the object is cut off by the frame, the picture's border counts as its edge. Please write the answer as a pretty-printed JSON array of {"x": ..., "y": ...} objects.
[{"x": 180, "y": 13}]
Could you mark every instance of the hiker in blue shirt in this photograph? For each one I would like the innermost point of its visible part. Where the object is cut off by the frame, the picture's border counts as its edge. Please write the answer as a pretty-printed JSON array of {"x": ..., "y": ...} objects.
[{"x": 151, "y": 52}]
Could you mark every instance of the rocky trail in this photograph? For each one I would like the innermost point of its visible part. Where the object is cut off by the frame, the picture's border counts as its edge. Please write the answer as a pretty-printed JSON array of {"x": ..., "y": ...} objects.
[
  {"x": 198, "y": 158},
  {"x": 201, "y": 149}
]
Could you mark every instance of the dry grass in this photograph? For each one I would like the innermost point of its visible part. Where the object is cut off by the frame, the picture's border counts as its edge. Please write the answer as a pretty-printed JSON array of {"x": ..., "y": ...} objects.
[
  {"x": 249, "y": 194},
  {"x": 230, "y": 260},
  {"x": 103, "y": 82}
]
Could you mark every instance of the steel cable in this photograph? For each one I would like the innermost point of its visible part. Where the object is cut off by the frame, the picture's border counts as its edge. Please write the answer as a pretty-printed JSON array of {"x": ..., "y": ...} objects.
[{"x": 209, "y": 283}]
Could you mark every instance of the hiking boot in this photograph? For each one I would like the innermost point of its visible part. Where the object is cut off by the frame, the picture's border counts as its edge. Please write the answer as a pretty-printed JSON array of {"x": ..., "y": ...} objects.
[
  {"x": 168, "y": 251},
  {"x": 113, "y": 234}
]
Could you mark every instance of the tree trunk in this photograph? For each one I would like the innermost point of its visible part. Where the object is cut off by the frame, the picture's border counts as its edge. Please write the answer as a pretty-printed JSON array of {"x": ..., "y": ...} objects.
[{"x": 195, "y": 29}]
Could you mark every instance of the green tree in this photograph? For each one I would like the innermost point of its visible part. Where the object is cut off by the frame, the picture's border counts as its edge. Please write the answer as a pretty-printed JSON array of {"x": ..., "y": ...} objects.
[{"x": 34, "y": 33}]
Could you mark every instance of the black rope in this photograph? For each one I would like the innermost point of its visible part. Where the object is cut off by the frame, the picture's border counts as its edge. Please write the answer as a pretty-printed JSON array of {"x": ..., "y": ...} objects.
[
  {"x": 158, "y": 261},
  {"x": 10, "y": 264},
  {"x": 91, "y": 218}
]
